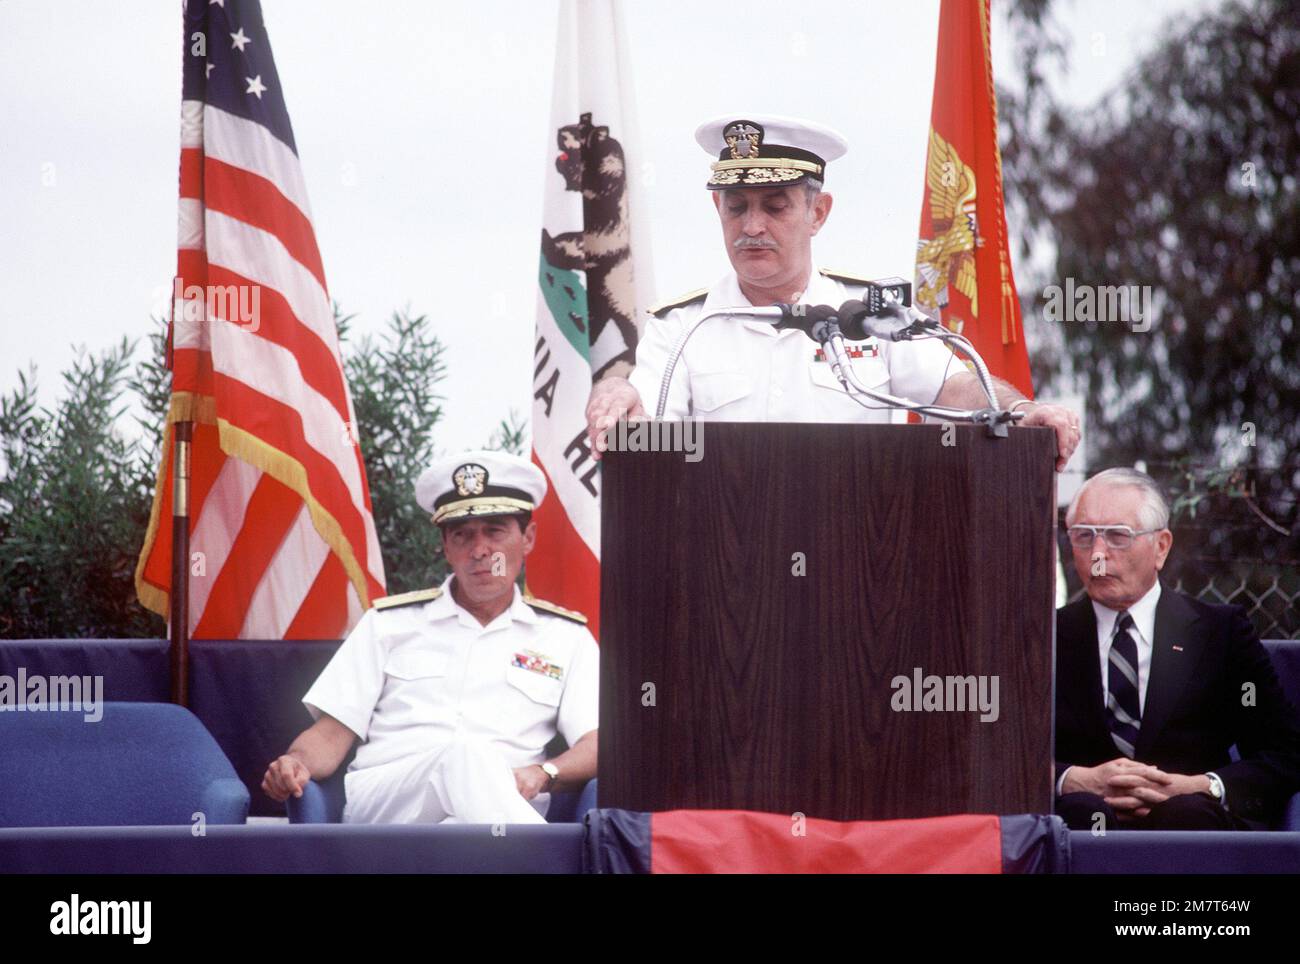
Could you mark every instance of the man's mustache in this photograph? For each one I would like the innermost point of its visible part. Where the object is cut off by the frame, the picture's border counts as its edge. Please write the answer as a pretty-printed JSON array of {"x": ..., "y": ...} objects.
[{"x": 741, "y": 243}]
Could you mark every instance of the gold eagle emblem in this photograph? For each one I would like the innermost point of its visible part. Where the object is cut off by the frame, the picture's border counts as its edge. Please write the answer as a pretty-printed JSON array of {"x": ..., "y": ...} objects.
[
  {"x": 744, "y": 139},
  {"x": 949, "y": 256},
  {"x": 470, "y": 479}
]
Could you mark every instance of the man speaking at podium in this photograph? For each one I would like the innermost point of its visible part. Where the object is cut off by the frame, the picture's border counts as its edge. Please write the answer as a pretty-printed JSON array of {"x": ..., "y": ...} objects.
[{"x": 767, "y": 183}]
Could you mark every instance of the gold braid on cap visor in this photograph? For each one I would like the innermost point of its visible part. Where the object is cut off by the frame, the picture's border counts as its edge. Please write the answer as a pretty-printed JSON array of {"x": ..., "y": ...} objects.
[
  {"x": 761, "y": 170},
  {"x": 484, "y": 505},
  {"x": 808, "y": 166}
]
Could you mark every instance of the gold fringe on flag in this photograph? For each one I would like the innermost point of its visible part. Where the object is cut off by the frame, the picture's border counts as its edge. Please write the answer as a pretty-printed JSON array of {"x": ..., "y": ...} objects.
[{"x": 240, "y": 444}]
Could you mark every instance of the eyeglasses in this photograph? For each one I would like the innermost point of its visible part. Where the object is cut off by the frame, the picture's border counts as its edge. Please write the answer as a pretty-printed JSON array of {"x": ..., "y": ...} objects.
[{"x": 1117, "y": 537}]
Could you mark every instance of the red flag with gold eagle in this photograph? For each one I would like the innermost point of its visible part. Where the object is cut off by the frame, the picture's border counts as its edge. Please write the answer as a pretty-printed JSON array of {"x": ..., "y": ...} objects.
[{"x": 963, "y": 257}]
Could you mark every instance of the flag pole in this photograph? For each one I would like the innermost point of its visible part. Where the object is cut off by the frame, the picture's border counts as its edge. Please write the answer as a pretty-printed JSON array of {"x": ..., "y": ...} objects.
[{"x": 180, "y": 581}]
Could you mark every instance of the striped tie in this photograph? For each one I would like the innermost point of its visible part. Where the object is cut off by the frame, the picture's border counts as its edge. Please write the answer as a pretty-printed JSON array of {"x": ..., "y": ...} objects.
[{"x": 1124, "y": 709}]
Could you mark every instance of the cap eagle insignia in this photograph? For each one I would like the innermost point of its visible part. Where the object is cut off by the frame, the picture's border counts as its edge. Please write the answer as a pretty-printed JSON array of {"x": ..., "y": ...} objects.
[
  {"x": 744, "y": 139},
  {"x": 470, "y": 479}
]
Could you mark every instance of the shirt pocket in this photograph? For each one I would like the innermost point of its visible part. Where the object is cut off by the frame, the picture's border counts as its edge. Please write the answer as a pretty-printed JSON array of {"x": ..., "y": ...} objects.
[
  {"x": 415, "y": 688},
  {"x": 538, "y": 688},
  {"x": 710, "y": 391},
  {"x": 871, "y": 372},
  {"x": 415, "y": 666}
]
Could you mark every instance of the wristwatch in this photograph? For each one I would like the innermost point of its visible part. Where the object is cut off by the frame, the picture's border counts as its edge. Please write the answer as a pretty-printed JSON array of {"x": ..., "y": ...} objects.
[
  {"x": 552, "y": 771},
  {"x": 1216, "y": 786}
]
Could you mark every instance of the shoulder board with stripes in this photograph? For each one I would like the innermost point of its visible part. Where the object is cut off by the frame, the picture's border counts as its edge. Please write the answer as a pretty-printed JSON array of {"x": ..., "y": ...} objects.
[
  {"x": 664, "y": 307},
  {"x": 408, "y": 598},
  {"x": 853, "y": 279},
  {"x": 550, "y": 607}
]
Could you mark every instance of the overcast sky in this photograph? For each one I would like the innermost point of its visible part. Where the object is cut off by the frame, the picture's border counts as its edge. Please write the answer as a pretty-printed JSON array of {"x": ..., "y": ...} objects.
[{"x": 422, "y": 129}]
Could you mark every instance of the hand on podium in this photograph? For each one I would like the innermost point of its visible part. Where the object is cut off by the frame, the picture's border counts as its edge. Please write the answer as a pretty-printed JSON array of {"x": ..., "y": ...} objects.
[
  {"x": 1063, "y": 421},
  {"x": 611, "y": 399}
]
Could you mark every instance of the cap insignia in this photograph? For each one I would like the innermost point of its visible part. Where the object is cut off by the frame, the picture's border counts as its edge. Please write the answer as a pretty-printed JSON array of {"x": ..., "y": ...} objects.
[
  {"x": 744, "y": 139},
  {"x": 470, "y": 479}
]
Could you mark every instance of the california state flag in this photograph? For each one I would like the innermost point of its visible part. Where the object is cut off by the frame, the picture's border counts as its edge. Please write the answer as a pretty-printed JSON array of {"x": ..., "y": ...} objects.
[
  {"x": 593, "y": 284},
  {"x": 963, "y": 258}
]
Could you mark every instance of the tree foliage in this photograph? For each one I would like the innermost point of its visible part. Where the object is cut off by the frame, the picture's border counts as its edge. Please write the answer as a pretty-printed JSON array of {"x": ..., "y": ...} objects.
[
  {"x": 74, "y": 503},
  {"x": 76, "y": 487},
  {"x": 394, "y": 380},
  {"x": 1183, "y": 179}
]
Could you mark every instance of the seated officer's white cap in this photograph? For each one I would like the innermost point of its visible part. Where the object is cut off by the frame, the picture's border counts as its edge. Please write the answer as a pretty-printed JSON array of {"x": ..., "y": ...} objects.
[
  {"x": 479, "y": 483},
  {"x": 762, "y": 150}
]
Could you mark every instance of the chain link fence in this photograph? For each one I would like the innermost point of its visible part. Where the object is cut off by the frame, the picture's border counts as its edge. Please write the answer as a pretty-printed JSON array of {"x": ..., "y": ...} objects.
[
  {"x": 1268, "y": 589},
  {"x": 1236, "y": 539},
  {"x": 1270, "y": 596}
]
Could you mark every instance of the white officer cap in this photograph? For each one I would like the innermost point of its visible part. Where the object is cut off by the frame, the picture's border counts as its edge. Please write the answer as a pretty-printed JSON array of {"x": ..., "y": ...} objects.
[
  {"x": 479, "y": 483},
  {"x": 763, "y": 150}
]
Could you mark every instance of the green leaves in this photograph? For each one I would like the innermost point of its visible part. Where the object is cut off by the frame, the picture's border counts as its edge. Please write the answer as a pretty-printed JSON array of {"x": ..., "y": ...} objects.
[
  {"x": 509, "y": 434},
  {"x": 1181, "y": 179},
  {"x": 394, "y": 381},
  {"x": 75, "y": 494},
  {"x": 77, "y": 481}
]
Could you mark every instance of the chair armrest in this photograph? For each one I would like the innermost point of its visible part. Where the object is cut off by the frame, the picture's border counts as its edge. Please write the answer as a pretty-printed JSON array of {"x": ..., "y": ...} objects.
[
  {"x": 586, "y": 800},
  {"x": 321, "y": 801},
  {"x": 571, "y": 806},
  {"x": 1291, "y": 815},
  {"x": 225, "y": 800}
]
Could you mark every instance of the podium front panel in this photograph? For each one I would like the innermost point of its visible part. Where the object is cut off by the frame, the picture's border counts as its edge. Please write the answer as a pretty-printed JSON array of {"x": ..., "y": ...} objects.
[{"x": 843, "y": 621}]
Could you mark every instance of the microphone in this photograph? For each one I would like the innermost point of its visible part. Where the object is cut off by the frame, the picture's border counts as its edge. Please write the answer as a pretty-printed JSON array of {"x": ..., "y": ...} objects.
[
  {"x": 892, "y": 322},
  {"x": 813, "y": 320}
]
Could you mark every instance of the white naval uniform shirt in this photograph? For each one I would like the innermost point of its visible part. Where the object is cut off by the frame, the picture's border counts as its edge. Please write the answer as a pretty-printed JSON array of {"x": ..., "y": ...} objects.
[
  {"x": 743, "y": 370},
  {"x": 414, "y": 678}
]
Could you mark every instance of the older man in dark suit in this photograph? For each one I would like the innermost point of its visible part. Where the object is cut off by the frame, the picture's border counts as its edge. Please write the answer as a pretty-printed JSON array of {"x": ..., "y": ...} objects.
[{"x": 1153, "y": 687}]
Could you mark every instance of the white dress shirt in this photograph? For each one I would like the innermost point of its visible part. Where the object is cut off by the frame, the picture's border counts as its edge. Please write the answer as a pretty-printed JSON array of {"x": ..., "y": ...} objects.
[
  {"x": 414, "y": 678},
  {"x": 1144, "y": 628},
  {"x": 744, "y": 370}
]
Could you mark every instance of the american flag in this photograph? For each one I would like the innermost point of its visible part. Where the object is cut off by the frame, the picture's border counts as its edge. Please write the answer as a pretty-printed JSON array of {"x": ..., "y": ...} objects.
[{"x": 282, "y": 536}]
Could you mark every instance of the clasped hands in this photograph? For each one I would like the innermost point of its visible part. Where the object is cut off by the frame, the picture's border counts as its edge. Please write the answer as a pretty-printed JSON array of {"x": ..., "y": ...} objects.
[{"x": 1129, "y": 787}]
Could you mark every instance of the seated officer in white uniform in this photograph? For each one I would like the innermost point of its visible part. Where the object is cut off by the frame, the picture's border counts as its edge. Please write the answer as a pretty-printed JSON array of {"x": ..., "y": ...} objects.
[
  {"x": 455, "y": 691},
  {"x": 767, "y": 183}
]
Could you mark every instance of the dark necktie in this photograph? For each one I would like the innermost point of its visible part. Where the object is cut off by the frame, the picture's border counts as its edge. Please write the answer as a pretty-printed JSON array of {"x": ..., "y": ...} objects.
[{"x": 1123, "y": 709}]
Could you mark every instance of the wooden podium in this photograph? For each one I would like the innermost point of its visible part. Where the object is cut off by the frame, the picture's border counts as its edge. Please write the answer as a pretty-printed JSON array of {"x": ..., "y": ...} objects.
[{"x": 759, "y": 607}]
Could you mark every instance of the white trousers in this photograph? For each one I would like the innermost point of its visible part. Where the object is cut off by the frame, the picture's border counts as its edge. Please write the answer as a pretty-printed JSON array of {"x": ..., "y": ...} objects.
[{"x": 466, "y": 781}]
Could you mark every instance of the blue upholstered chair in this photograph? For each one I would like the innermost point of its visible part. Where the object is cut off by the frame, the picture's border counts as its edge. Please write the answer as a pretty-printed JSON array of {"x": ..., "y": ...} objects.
[
  {"x": 322, "y": 802},
  {"x": 139, "y": 764},
  {"x": 1285, "y": 654}
]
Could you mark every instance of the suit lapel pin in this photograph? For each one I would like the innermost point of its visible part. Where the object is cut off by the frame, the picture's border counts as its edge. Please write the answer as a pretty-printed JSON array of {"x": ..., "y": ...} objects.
[{"x": 1178, "y": 649}]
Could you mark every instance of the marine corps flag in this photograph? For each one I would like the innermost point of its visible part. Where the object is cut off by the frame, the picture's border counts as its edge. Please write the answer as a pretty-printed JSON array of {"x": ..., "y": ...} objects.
[
  {"x": 963, "y": 257},
  {"x": 281, "y": 538},
  {"x": 593, "y": 278}
]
